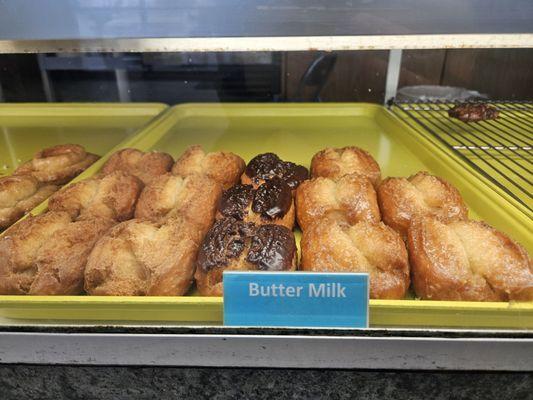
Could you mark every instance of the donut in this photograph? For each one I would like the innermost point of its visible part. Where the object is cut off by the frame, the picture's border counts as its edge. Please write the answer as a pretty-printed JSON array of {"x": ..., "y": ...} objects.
[
  {"x": 353, "y": 195},
  {"x": 234, "y": 245},
  {"x": 333, "y": 245},
  {"x": 223, "y": 167},
  {"x": 402, "y": 200},
  {"x": 468, "y": 261},
  {"x": 336, "y": 162}
]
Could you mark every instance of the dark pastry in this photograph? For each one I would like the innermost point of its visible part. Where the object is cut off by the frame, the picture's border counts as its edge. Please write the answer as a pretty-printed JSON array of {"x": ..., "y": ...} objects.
[
  {"x": 270, "y": 203},
  {"x": 233, "y": 245},
  {"x": 470, "y": 112},
  {"x": 267, "y": 166}
]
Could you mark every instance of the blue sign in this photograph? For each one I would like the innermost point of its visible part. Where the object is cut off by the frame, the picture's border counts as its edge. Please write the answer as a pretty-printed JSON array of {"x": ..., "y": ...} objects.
[{"x": 304, "y": 299}]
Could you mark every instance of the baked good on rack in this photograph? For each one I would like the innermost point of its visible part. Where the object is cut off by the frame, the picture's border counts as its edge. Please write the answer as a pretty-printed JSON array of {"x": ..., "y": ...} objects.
[
  {"x": 57, "y": 164},
  {"x": 403, "y": 199},
  {"x": 46, "y": 255},
  {"x": 353, "y": 195},
  {"x": 111, "y": 196},
  {"x": 467, "y": 260},
  {"x": 20, "y": 194},
  {"x": 194, "y": 197},
  {"x": 333, "y": 245},
  {"x": 268, "y": 165},
  {"x": 142, "y": 258},
  {"x": 473, "y": 112},
  {"x": 336, "y": 162},
  {"x": 145, "y": 166},
  {"x": 223, "y": 167},
  {"x": 233, "y": 245},
  {"x": 270, "y": 203}
]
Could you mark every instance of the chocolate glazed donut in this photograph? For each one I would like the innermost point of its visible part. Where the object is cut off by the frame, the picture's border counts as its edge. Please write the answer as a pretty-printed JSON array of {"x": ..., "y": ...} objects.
[
  {"x": 270, "y": 203},
  {"x": 233, "y": 245},
  {"x": 268, "y": 165}
]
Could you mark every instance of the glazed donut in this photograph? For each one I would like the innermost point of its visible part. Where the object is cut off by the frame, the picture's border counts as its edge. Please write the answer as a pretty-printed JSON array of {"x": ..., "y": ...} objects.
[
  {"x": 145, "y": 166},
  {"x": 141, "y": 258},
  {"x": 333, "y": 245},
  {"x": 46, "y": 255},
  {"x": 401, "y": 200},
  {"x": 353, "y": 195},
  {"x": 233, "y": 245},
  {"x": 266, "y": 166},
  {"x": 111, "y": 196},
  {"x": 270, "y": 203},
  {"x": 467, "y": 260},
  {"x": 58, "y": 164},
  {"x": 334, "y": 163},
  {"x": 20, "y": 194},
  {"x": 223, "y": 167},
  {"x": 194, "y": 198}
]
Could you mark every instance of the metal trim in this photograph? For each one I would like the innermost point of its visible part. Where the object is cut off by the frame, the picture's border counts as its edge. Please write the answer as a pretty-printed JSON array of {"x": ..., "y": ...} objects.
[
  {"x": 290, "y": 43},
  {"x": 295, "y": 351}
]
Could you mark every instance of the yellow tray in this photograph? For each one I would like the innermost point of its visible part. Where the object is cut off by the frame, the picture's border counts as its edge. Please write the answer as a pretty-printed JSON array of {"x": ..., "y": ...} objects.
[
  {"x": 27, "y": 128},
  {"x": 296, "y": 132}
]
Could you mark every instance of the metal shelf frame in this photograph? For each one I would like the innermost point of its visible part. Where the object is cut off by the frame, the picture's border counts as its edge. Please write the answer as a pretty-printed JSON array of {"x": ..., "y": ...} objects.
[{"x": 269, "y": 348}]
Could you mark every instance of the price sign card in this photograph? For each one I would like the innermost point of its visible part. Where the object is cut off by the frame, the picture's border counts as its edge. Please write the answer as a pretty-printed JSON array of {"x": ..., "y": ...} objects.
[{"x": 296, "y": 299}]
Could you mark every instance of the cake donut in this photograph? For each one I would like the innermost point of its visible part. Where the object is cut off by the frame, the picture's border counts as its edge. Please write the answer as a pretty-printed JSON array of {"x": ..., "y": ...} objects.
[
  {"x": 20, "y": 194},
  {"x": 336, "y": 162},
  {"x": 333, "y": 245},
  {"x": 402, "y": 200},
  {"x": 47, "y": 254},
  {"x": 143, "y": 258},
  {"x": 194, "y": 198},
  {"x": 467, "y": 260},
  {"x": 353, "y": 195},
  {"x": 233, "y": 245},
  {"x": 147, "y": 166},
  {"x": 223, "y": 167},
  {"x": 58, "y": 164},
  {"x": 111, "y": 196}
]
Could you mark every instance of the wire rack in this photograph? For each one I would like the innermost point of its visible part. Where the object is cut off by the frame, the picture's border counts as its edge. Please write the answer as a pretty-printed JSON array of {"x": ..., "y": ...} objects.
[{"x": 501, "y": 149}]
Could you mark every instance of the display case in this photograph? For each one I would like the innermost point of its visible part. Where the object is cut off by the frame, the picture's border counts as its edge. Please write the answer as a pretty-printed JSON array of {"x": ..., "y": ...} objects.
[{"x": 291, "y": 78}]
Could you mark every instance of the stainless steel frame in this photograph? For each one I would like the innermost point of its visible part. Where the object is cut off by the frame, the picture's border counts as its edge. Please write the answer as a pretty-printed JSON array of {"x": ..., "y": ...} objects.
[{"x": 361, "y": 350}]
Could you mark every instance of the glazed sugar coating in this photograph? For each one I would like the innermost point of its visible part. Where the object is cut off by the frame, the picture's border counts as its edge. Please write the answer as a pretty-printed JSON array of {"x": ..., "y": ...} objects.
[
  {"x": 333, "y": 245},
  {"x": 111, "y": 196},
  {"x": 264, "y": 167},
  {"x": 194, "y": 197},
  {"x": 145, "y": 166},
  {"x": 47, "y": 254},
  {"x": 223, "y": 167},
  {"x": 469, "y": 261},
  {"x": 271, "y": 203},
  {"x": 141, "y": 258},
  {"x": 233, "y": 245},
  {"x": 18, "y": 195},
  {"x": 470, "y": 112},
  {"x": 402, "y": 200},
  {"x": 335, "y": 163},
  {"x": 57, "y": 164},
  {"x": 353, "y": 195}
]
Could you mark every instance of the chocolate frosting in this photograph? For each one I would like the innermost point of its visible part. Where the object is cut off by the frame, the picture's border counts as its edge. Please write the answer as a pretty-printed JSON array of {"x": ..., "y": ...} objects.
[
  {"x": 272, "y": 248},
  {"x": 224, "y": 241},
  {"x": 235, "y": 200},
  {"x": 268, "y": 165},
  {"x": 272, "y": 199}
]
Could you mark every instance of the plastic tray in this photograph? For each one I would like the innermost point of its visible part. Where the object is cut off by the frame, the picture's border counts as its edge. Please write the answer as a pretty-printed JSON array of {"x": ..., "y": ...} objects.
[
  {"x": 27, "y": 128},
  {"x": 295, "y": 132}
]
